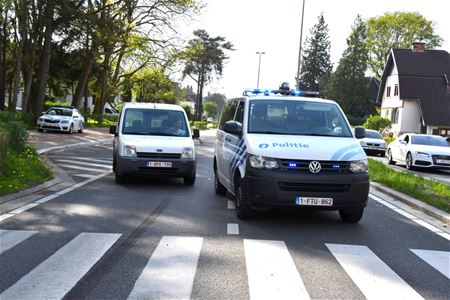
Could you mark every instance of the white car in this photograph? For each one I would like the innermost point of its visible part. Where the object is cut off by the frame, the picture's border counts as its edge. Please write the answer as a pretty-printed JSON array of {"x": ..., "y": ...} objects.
[
  {"x": 420, "y": 150},
  {"x": 373, "y": 143},
  {"x": 61, "y": 118}
]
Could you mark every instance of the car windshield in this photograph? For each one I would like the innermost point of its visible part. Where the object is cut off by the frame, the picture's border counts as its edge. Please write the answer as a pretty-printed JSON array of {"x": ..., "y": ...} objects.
[
  {"x": 141, "y": 121},
  {"x": 59, "y": 112},
  {"x": 297, "y": 118},
  {"x": 429, "y": 140},
  {"x": 373, "y": 135}
]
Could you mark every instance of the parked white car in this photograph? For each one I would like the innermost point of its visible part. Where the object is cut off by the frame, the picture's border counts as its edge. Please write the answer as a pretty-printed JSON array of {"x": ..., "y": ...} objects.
[
  {"x": 61, "y": 118},
  {"x": 373, "y": 143},
  {"x": 420, "y": 150}
]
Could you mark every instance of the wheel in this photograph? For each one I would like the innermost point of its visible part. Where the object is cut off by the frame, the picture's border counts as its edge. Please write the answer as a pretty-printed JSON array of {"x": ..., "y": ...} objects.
[
  {"x": 219, "y": 188},
  {"x": 382, "y": 153},
  {"x": 70, "y": 129},
  {"x": 40, "y": 130},
  {"x": 409, "y": 161},
  {"x": 389, "y": 157},
  {"x": 243, "y": 209},
  {"x": 119, "y": 177},
  {"x": 81, "y": 128},
  {"x": 114, "y": 165},
  {"x": 351, "y": 215},
  {"x": 189, "y": 180}
]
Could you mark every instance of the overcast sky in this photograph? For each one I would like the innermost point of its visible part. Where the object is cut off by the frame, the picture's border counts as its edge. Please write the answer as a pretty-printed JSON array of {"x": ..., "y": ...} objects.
[{"x": 273, "y": 26}]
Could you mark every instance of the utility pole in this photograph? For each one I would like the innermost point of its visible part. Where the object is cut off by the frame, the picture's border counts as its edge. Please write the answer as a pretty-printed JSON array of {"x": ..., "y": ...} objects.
[
  {"x": 259, "y": 67},
  {"x": 300, "y": 49}
]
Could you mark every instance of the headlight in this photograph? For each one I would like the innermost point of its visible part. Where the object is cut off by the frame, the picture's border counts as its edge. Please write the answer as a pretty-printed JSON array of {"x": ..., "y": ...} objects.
[
  {"x": 422, "y": 154},
  {"x": 261, "y": 162},
  {"x": 383, "y": 145},
  {"x": 129, "y": 151},
  {"x": 40, "y": 119},
  {"x": 65, "y": 121},
  {"x": 187, "y": 153},
  {"x": 362, "y": 143},
  {"x": 359, "y": 166}
]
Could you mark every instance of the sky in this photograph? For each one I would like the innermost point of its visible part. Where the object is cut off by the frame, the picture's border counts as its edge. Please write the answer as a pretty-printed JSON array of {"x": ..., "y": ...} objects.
[{"x": 273, "y": 27}]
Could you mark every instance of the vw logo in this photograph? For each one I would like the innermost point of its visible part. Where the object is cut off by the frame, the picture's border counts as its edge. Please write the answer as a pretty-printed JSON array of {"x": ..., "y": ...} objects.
[{"x": 315, "y": 167}]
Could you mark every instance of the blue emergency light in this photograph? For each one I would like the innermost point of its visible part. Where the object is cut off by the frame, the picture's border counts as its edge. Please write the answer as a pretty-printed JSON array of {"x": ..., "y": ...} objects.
[
  {"x": 292, "y": 165},
  {"x": 283, "y": 90}
]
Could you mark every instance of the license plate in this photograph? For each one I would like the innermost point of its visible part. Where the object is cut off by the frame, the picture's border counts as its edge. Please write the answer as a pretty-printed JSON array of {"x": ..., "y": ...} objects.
[
  {"x": 310, "y": 201},
  {"x": 159, "y": 164},
  {"x": 443, "y": 161}
]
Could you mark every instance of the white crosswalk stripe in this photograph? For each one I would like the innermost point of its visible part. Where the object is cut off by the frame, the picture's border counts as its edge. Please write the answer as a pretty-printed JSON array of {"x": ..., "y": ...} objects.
[
  {"x": 170, "y": 272},
  {"x": 54, "y": 277},
  {"x": 271, "y": 271},
  {"x": 440, "y": 260},
  {"x": 83, "y": 168},
  {"x": 84, "y": 163},
  {"x": 75, "y": 158},
  {"x": 373, "y": 277},
  {"x": 10, "y": 238}
]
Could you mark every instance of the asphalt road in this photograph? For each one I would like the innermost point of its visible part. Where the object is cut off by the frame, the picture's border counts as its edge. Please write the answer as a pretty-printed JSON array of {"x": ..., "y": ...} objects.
[{"x": 159, "y": 239}]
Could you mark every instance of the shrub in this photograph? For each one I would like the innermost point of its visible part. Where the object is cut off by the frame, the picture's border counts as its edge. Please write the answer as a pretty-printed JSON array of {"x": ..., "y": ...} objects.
[
  {"x": 48, "y": 104},
  {"x": 200, "y": 125},
  {"x": 187, "y": 108},
  {"x": 17, "y": 136},
  {"x": 3, "y": 149},
  {"x": 377, "y": 123}
]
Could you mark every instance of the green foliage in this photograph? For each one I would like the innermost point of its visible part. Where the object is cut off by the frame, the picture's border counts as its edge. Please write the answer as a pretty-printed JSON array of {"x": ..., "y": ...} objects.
[
  {"x": 17, "y": 136},
  {"x": 397, "y": 30},
  {"x": 48, "y": 104},
  {"x": 200, "y": 125},
  {"x": 431, "y": 192},
  {"x": 187, "y": 108},
  {"x": 100, "y": 121},
  {"x": 316, "y": 65},
  {"x": 377, "y": 123},
  {"x": 210, "y": 109},
  {"x": 153, "y": 85}
]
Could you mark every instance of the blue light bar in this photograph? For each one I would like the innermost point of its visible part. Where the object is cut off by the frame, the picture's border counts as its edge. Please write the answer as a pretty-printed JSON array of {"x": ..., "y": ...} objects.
[{"x": 267, "y": 92}]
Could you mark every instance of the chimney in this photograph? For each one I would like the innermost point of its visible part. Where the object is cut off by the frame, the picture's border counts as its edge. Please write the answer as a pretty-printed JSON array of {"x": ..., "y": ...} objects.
[{"x": 418, "y": 46}]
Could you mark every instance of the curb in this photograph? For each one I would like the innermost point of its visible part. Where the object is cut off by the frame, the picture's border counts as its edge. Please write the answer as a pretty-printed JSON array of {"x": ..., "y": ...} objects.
[
  {"x": 417, "y": 204},
  {"x": 31, "y": 190}
]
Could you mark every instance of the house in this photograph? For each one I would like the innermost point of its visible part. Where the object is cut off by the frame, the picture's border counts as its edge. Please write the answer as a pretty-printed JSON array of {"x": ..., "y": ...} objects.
[{"x": 415, "y": 91}]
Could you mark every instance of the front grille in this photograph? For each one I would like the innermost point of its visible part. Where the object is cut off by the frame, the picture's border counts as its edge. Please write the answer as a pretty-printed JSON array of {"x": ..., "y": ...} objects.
[
  {"x": 444, "y": 157},
  {"x": 51, "y": 121},
  {"x": 157, "y": 171},
  {"x": 313, "y": 187},
  {"x": 158, "y": 155},
  {"x": 49, "y": 127},
  {"x": 303, "y": 166},
  {"x": 422, "y": 163},
  {"x": 373, "y": 145}
]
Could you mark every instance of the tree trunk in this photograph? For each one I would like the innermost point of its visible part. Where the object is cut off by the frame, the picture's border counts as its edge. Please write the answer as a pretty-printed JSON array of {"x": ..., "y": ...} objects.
[
  {"x": 45, "y": 58},
  {"x": 84, "y": 75},
  {"x": 98, "y": 109},
  {"x": 3, "y": 50},
  {"x": 201, "y": 84},
  {"x": 16, "y": 81}
]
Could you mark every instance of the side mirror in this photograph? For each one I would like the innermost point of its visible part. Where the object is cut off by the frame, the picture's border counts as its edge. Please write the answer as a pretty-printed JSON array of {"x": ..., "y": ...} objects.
[
  {"x": 360, "y": 132},
  {"x": 233, "y": 127},
  {"x": 113, "y": 129},
  {"x": 196, "y": 133},
  {"x": 403, "y": 142}
]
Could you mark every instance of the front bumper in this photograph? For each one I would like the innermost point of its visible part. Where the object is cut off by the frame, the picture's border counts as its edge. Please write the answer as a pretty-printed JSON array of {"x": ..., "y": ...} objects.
[
  {"x": 53, "y": 126},
  {"x": 267, "y": 188},
  {"x": 374, "y": 149},
  {"x": 138, "y": 166},
  {"x": 435, "y": 161}
]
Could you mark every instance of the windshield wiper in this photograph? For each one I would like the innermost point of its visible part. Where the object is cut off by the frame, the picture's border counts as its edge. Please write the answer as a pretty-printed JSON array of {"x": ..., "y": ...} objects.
[
  {"x": 268, "y": 132},
  {"x": 134, "y": 133}
]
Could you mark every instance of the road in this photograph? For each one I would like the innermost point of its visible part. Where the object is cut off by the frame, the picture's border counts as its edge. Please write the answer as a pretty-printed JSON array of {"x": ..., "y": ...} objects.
[{"x": 159, "y": 239}]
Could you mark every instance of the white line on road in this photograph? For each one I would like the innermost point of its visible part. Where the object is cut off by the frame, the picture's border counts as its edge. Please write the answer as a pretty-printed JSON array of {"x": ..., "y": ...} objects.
[
  {"x": 83, "y": 138},
  {"x": 233, "y": 229},
  {"x": 83, "y": 168},
  {"x": 100, "y": 160},
  {"x": 170, "y": 272},
  {"x": 54, "y": 277},
  {"x": 440, "y": 260},
  {"x": 421, "y": 222},
  {"x": 271, "y": 271},
  {"x": 10, "y": 238},
  {"x": 372, "y": 276},
  {"x": 84, "y": 175},
  {"x": 231, "y": 205},
  {"x": 106, "y": 165}
]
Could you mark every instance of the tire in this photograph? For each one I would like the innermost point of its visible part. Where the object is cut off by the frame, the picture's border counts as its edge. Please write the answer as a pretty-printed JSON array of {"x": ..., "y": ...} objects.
[
  {"x": 119, "y": 177},
  {"x": 40, "y": 130},
  {"x": 243, "y": 209},
  {"x": 219, "y": 188},
  {"x": 70, "y": 129},
  {"x": 351, "y": 215},
  {"x": 389, "y": 157},
  {"x": 81, "y": 128},
  {"x": 189, "y": 180},
  {"x": 409, "y": 162}
]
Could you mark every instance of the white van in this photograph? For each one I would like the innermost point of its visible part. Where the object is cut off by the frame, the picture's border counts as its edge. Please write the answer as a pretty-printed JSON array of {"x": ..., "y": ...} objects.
[
  {"x": 281, "y": 148},
  {"x": 153, "y": 139}
]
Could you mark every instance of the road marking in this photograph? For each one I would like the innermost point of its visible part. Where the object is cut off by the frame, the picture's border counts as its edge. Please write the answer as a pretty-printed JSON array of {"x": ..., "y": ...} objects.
[
  {"x": 170, "y": 272},
  {"x": 271, "y": 271},
  {"x": 233, "y": 229},
  {"x": 372, "y": 276},
  {"x": 440, "y": 260},
  {"x": 84, "y": 175},
  {"x": 84, "y": 158},
  {"x": 83, "y": 168},
  {"x": 50, "y": 197},
  {"x": 421, "y": 222},
  {"x": 107, "y": 165},
  {"x": 10, "y": 238},
  {"x": 231, "y": 205},
  {"x": 83, "y": 138},
  {"x": 55, "y": 276}
]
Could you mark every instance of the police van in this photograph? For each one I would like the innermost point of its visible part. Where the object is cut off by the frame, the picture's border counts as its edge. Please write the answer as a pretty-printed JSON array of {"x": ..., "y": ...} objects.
[{"x": 288, "y": 148}]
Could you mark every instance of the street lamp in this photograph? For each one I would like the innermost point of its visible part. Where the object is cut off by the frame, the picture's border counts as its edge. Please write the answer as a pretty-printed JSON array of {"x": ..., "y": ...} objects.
[
  {"x": 300, "y": 49},
  {"x": 259, "y": 67}
]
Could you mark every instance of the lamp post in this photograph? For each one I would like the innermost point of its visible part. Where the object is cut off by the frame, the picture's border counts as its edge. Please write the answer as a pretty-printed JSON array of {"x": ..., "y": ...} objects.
[
  {"x": 300, "y": 49},
  {"x": 259, "y": 67}
]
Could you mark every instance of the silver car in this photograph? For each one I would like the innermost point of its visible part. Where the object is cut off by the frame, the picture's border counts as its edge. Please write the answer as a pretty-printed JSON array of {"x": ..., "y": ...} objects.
[
  {"x": 373, "y": 143},
  {"x": 61, "y": 118}
]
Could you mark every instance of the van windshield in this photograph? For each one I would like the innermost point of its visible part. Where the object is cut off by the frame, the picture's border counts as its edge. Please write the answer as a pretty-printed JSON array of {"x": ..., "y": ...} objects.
[
  {"x": 141, "y": 121},
  {"x": 297, "y": 118}
]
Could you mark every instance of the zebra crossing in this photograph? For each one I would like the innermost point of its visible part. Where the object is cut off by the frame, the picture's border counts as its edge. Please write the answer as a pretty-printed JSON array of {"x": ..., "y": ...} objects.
[
  {"x": 171, "y": 269},
  {"x": 83, "y": 167}
]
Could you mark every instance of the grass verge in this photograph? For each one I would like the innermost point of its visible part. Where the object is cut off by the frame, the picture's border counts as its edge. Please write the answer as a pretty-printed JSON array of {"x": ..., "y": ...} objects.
[
  {"x": 20, "y": 171},
  {"x": 429, "y": 191}
]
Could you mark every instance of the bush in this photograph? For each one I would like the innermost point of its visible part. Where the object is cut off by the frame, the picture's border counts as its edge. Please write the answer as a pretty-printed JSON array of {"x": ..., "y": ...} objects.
[
  {"x": 200, "y": 125},
  {"x": 3, "y": 149},
  {"x": 17, "y": 136},
  {"x": 48, "y": 104},
  {"x": 187, "y": 108},
  {"x": 377, "y": 123},
  {"x": 29, "y": 119}
]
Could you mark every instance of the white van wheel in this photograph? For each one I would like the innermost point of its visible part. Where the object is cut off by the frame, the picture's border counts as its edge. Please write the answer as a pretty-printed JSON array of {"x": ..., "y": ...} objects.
[
  {"x": 243, "y": 209},
  {"x": 351, "y": 215}
]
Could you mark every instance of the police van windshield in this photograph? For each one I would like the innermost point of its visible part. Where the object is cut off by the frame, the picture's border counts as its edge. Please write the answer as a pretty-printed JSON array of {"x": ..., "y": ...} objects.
[
  {"x": 138, "y": 121},
  {"x": 297, "y": 118}
]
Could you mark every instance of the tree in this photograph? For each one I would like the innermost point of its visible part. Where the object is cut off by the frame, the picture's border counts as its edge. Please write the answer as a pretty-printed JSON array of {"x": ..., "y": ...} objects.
[
  {"x": 210, "y": 109},
  {"x": 204, "y": 56},
  {"x": 217, "y": 98},
  {"x": 378, "y": 123},
  {"x": 153, "y": 85},
  {"x": 348, "y": 84},
  {"x": 316, "y": 64},
  {"x": 397, "y": 30}
]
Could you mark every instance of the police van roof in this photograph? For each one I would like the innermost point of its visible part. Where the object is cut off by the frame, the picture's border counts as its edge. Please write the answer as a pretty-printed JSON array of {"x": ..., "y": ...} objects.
[{"x": 148, "y": 105}]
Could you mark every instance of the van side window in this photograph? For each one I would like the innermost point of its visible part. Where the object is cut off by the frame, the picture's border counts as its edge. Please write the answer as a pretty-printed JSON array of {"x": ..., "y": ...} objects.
[
  {"x": 227, "y": 113},
  {"x": 240, "y": 113}
]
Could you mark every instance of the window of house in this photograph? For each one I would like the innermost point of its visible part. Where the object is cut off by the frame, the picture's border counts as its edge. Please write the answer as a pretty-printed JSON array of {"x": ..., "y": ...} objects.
[
  {"x": 394, "y": 115},
  {"x": 396, "y": 90},
  {"x": 388, "y": 91}
]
